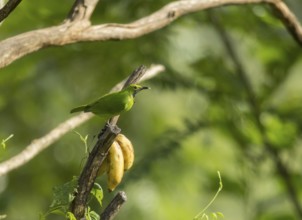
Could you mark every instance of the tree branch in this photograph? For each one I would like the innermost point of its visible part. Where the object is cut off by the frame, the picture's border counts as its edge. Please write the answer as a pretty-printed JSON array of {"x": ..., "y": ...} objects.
[
  {"x": 55, "y": 134},
  {"x": 8, "y": 8},
  {"x": 98, "y": 155},
  {"x": 79, "y": 31},
  {"x": 256, "y": 112},
  {"x": 42, "y": 143},
  {"x": 289, "y": 20},
  {"x": 90, "y": 171},
  {"x": 114, "y": 206}
]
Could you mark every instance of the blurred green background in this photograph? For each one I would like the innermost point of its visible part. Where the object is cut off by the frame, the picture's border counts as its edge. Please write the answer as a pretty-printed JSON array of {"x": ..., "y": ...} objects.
[{"x": 202, "y": 114}]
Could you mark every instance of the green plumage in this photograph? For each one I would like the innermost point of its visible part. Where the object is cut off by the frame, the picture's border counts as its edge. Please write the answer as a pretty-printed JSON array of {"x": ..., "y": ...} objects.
[{"x": 112, "y": 104}]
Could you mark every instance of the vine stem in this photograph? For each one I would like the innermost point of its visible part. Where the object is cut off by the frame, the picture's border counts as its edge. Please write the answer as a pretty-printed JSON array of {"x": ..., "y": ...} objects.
[{"x": 202, "y": 213}]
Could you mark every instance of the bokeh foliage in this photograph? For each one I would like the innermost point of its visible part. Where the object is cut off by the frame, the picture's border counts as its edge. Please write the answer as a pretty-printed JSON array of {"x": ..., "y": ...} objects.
[{"x": 197, "y": 118}]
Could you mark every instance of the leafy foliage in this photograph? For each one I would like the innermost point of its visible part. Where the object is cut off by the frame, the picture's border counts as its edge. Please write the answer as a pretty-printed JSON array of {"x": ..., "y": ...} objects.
[{"x": 63, "y": 196}]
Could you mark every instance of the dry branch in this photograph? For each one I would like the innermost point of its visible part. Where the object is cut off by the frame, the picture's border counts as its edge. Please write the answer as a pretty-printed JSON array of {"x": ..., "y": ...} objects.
[
  {"x": 78, "y": 28},
  {"x": 42, "y": 143}
]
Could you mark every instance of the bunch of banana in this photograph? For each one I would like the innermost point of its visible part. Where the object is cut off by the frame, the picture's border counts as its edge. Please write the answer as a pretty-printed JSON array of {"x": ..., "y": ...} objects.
[{"x": 119, "y": 159}]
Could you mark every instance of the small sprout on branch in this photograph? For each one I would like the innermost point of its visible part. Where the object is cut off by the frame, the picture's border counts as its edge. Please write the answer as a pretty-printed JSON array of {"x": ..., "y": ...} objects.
[
  {"x": 3, "y": 142},
  {"x": 84, "y": 140}
]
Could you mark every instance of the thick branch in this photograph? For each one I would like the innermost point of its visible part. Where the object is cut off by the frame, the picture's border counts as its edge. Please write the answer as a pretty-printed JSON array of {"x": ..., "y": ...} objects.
[
  {"x": 71, "y": 32},
  {"x": 8, "y": 8},
  {"x": 42, "y": 143}
]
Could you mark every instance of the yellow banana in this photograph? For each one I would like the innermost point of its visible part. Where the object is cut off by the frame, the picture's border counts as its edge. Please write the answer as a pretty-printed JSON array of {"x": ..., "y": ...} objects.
[
  {"x": 104, "y": 167},
  {"x": 116, "y": 166},
  {"x": 127, "y": 149}
]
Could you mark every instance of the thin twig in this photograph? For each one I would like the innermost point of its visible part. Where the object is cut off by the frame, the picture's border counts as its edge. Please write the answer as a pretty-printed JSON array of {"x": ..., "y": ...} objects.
[
  {"x": 38, "y": 145},
  {"x": 8, "y": 8},
  {"x": 81, "y": 30},
  {"x": 256, "y": 111},
  {"x": 114, "y": 206}
]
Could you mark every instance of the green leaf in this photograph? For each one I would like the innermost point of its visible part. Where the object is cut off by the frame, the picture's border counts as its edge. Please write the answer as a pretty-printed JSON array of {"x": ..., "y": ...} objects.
[
  {"x": 213, "y": 214},
  {"x": 97, "y": 192},
  {"x": 216, "y": 215},
  {"x": 63, "y": 195},
  {"x": 220, "y": 214},
  {"x": 94, "y": 215},
  {"x": 91, "y": 215},
  {"x": 70, "y": 216}
]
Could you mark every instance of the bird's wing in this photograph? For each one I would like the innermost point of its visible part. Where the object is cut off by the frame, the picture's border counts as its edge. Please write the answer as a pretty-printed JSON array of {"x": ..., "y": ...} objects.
[
  {"x": 78, "y": 109},
  {"x": 111, "y": 104}
]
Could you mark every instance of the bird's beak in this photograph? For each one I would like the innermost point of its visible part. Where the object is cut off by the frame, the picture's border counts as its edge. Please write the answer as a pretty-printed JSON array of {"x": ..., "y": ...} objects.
[{"x": 144, "y": 87}]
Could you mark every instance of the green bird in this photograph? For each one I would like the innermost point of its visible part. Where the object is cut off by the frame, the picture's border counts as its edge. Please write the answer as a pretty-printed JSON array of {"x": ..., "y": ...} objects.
[{"x": 112, "y": 104}]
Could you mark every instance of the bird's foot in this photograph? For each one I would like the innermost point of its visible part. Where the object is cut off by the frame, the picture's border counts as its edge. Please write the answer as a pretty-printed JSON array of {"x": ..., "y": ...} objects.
[{"x": 113, "y": 129}]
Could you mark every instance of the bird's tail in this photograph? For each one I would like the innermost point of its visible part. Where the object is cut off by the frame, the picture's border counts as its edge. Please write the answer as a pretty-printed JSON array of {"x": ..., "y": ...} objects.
[{"x": 78, "y": 109}]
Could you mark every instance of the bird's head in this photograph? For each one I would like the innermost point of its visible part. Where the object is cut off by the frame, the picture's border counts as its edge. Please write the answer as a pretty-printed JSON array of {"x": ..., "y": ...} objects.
[{"x": 134, "y": 88}]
